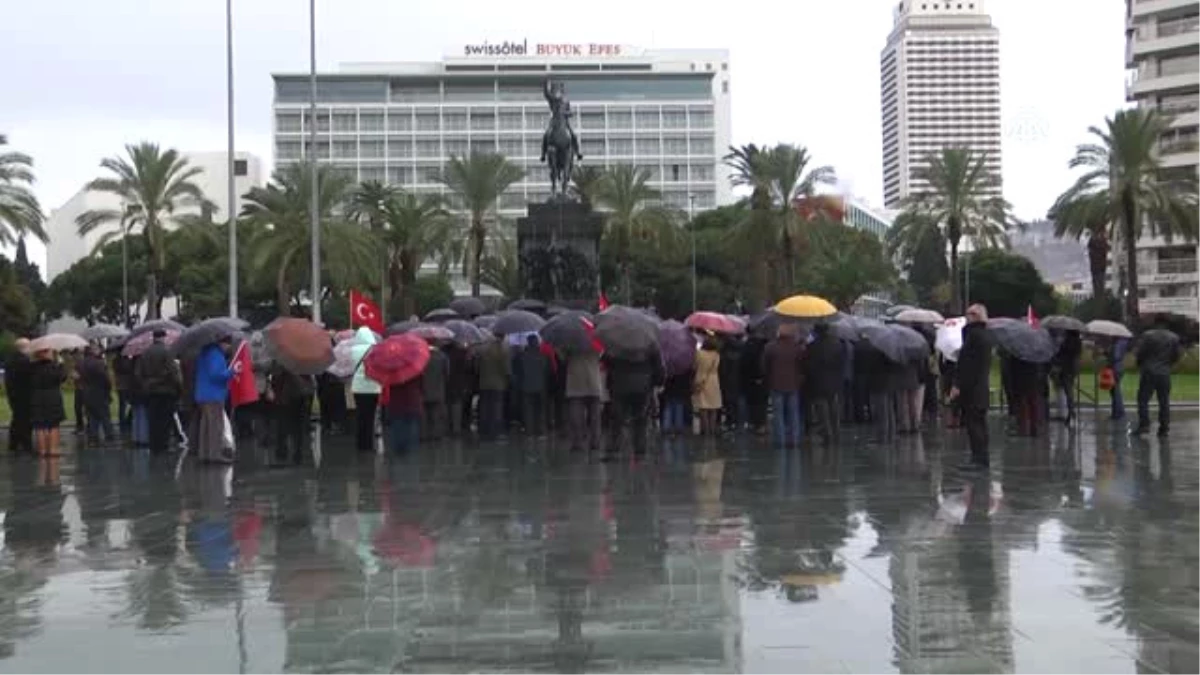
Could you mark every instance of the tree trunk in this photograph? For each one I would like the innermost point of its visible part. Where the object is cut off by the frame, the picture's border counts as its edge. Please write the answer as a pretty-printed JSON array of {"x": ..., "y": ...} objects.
[
  {"x": 626, "y": 284},
  {"x": 956, "y": 299},
  {"x": 477, "y": 236},
  {"x": 281, "y": 291},
  {"x": 1097, "y": 248},
  {"x": 153, "y": 302},
  {"x": 1129, "y": 232}
]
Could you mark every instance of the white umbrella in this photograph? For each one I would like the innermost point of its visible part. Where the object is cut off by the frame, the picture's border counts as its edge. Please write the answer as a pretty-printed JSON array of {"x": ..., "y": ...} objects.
[
  {"x": 949, "y": 338},
  {"x": 103, "y": 331},
  {"x": 1108, "y": 329},
  {"x": 58, "y": 342},
  {"x": 918, "y": 316}
]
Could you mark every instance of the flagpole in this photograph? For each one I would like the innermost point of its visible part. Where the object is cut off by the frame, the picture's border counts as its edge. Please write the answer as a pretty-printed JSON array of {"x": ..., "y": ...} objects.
[
  {"x": 314, "y": 204},
  {"x": 232, "y": 214}
]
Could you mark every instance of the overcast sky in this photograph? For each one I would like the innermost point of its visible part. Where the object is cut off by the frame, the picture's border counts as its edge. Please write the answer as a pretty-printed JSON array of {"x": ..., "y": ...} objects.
[{"x": 804, "y": 71}]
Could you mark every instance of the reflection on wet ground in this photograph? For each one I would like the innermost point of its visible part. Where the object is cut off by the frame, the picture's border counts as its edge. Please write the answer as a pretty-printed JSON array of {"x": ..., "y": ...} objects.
[{"x": 1077, "y": 554}]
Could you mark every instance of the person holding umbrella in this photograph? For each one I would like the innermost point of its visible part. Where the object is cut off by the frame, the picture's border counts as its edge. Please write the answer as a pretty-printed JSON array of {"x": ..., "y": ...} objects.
[
  {"x": 291, "y": 398},
  {"x": 397, "y": 364},
  {"x": 630, "y": 382},
  {"x": 213, "y": 373},
  {"x": 434, "y": 392},
  {"x": 46, "y": 411},
  {"x": 706, "y": 387},
  {"x": 532, "y": 373},
  {"x": 782, "y": 363},
  {"x": 366, "y": 391},
  {"x": 971, "y": 389},
  {"x": 823, "y": 381},
  {"x": 1157, "y": 351},
  {"x": 1065, "y": 370},
  {"x": 495, "y": 369},
  {"x": 157, "y": 385},
  {"x": 95, "y": 387}
]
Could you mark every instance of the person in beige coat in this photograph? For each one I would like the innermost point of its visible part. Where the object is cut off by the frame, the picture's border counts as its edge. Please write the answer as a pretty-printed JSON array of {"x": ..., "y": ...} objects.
[{"x": 706, "y": 387}]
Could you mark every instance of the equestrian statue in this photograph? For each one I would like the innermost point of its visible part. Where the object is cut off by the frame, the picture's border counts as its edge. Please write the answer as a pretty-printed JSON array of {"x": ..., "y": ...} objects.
[{"x": 560, "y": 146}]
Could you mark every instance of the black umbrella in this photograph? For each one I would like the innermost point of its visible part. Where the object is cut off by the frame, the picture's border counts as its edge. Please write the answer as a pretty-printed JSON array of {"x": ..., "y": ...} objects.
[
  {"x": 205, "y": 333},
  {"x": 892, "y": 311},
  {"x": 468, "y": 307},
  {"x": 401, "y": 327},
  {"x": 767, "y": 324},
  {"x": 626, "y": 332},
  {"x": 1060, "y": 322},
  {"x": 528, "y": 305},
  {"x": 1022, "y": 341},
  {"x": 442, "y": 314},
  {"x": 486, "y": 321},
  {"x": 555, "y": 310},
  {"x": 842, "y": 327},
  {"x": 568, "y": 332},
  {"x": 517, "y": 321},
  {"x": 914, "y": 345},
  {"x": 465, "y": 332}
]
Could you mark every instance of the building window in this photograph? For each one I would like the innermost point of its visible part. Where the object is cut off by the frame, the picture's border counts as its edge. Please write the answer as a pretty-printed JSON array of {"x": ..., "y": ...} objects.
[
  {"x": 511, "y": 121},
  {"x": 345, "y": 122},
  {"x": 701, "y": 172},
  {"x": 647, "y": 119},
  {"x": 675, "y": 172},
  {"x": 345, "y": 150},
  {"x": 399, "y": 149},
  {"x": 427, "y": 122},
  {"x": 370, "y": 122},
  {"x": 622, "y": 119},
  {"x": 511, "y": 147},
  {"x": 483, "y": 121},
  {"x": 399, "y": 121},
  {"x": 285, "y": 150},
  {"x": 456, "y": 147},
  {"x": 725, "y": 86},
  {"x": 620, "y": 147},
  {"x": 592, "y": 147},
  {"x": 483, "y": 146},
  {"x": 648, "y": 146},
  {"x": 701, "y": 145},
  {"x": 240, "y": 167},
  {"x": 286, "y": 123},
  {"x": 673, "y": 118},
  {"x": 372, "y": 149},
  {"x": 592, "y": 120},
  {"x": 675, "y": 146},
  {"x": 372, "y": 173},
  {"x": 454, "y": 121},
  {"x": 400, "y": 175},
  {"x": 428, "y": 149}
]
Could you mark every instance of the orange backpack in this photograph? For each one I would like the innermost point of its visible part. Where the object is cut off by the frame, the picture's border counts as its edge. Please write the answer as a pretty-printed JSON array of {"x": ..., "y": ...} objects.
[{"x": 1108, "y": 379}]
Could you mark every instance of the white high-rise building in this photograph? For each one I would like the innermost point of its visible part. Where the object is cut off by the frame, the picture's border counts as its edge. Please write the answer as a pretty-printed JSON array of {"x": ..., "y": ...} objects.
[
  {"x": 1163, "y": 50},
  {"x": 939, "y": 88},
  {"x": 664, "y": 110},
  {"x": 66, "y": 246}
]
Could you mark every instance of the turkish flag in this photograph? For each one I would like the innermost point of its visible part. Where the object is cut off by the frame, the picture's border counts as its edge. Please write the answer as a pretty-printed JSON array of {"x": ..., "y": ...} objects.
[
  {"x": 603, "y": 303},
  {"x": 1030, "y": 317},
  {"x": 242, "y": 388},
  {"x": 363, "y": 312}
]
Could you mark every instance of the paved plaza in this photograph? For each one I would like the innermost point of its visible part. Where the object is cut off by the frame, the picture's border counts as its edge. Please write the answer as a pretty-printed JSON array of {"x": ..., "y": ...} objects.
[{"x": 1077, "y": 554}]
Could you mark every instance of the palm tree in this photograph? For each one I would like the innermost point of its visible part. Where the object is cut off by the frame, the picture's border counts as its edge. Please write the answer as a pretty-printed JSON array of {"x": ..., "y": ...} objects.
[
  {"x": 584, "y": 182},
  {"x": 1087, "y": 218},
  {"x": 957, "y": 200},
  {"x": 156, "y": 188},
  {"x": 632, "y": 214},
  {"x": 282, "y": 209},
  {"x": 415, "y": 228},
  {"x": 777, "y": 177},
  {"x": 501, "y": 268},
  {"x": 479, "y": 180},
  {"x": 20, "y": 213},
  {"x": 1124, "y": 183},
  {"x": 367, "y": 204}
]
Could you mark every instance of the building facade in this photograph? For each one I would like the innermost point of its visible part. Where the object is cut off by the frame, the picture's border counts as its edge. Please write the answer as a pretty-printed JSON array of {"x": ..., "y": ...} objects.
[
  {"x": 939, "y": 88},
  {"x": 66, "y": 246},
  {"x": 665, "y": 110},
  {"x": 1162, "y": 51}
]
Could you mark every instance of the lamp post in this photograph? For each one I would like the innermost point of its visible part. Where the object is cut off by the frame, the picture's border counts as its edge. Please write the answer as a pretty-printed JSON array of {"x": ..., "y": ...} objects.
[
  {"x": 232, "y": 187},
  {"x": 692, "y": 227},
  {"x": 125, "y": 266},
  {"x": 314, "y": 203}
]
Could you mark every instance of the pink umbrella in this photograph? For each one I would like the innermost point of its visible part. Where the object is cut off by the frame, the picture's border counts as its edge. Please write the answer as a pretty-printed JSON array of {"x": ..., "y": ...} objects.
[{"x": 717, "y": 323}]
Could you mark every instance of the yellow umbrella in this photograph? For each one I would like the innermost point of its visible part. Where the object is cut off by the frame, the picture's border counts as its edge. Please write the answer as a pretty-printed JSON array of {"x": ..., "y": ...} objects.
[{"x": 805, "y": 307}]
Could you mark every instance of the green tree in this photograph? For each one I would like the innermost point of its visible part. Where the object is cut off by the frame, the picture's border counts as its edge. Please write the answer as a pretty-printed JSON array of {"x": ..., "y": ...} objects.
[
  {"x": 845, "y": 263},
  {"x": 632, "y": 215},
  {"x": 927, "y": 270},
  {"x": 1124, "y": 182},
  {"x": 415, "y": 228},
  {"x": 479, "y": 180},
  {"x": 584, "y": 182},
  {"x": 18, "y": 314},
  {"x": 157, "y": 188},
  {"x": 956, "y": 200},
  {"x": 501, "y": 267},
  {"x": 281, "y": 211},
  {"x": 29, "y": 275},
  {"x": 1084, "y": 218},
  {"x": 367, "y": 203},
  {"x": 777, "y": 177},
  {"x": 90, "y": 289},
  {"x": 1007, "y": 284},
  {"x": 20, "y": 213}
]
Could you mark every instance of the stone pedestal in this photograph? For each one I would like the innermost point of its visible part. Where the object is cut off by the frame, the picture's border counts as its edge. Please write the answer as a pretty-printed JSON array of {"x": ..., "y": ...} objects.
[{"x": 559, "y": 247}]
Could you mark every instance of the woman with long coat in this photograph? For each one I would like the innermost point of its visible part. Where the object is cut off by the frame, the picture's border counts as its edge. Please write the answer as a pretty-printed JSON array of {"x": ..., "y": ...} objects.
[
  {"x": 706, "y": 388},
  {"x": 210, "y": 391}
]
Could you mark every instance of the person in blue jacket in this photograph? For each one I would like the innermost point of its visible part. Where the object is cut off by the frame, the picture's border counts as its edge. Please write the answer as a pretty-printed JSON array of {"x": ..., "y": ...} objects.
[{"x": 211, "y": 389}]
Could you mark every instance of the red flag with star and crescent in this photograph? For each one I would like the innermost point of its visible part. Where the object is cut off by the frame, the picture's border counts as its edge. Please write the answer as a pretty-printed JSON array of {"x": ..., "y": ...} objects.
[{"x": 363, "y": 312}]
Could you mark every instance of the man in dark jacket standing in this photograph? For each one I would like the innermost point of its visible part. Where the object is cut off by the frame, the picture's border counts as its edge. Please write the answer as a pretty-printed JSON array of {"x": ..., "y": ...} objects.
[
  {"x": 95, "y": 388},
  {"x": 495, "y": 369},
  {"x": 433, "y": 392},
  {"x": 823, "y": 383},
  {"x": 971, "y": 388},
  {"x": 532, "y": 372},
  {"x": 729, "y": 372},
  {"x": 17, "y": 389},
  {"x": 159, "y": 382},
  {"x": 630, "y": 383},
  {"x": 1157, "y": 351},
  {"x": 782, "y": 365}
]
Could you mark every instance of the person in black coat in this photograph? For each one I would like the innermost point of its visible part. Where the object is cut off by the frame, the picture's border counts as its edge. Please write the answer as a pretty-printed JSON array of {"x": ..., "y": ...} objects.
[
  {"x": 95, "y": 388},
  {"x": 729, "y": 371},
  {"x": 630, "y": 383},
  {"x": 823, "y": 383},
  {"x": 46, "y": 411},
  {"x": 971, "y": 389},
  {"x": 291, "y": 397},
  {"x": 17, "y": 389},
  {"x": 1065, "y": 369},
  {"x": 754, "y": 384}
]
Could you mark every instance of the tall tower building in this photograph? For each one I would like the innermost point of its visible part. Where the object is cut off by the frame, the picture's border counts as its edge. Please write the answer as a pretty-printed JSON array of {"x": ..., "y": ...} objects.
[
  {"x": 939, "y": 88},
  {"x": 1162, "y": 49}
]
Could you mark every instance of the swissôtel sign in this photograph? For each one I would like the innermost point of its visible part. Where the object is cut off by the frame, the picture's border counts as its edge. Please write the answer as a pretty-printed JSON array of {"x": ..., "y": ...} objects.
[{"x": 525, "y": 48}]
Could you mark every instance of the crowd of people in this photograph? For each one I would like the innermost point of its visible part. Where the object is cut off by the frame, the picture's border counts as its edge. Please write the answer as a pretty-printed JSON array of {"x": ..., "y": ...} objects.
[{"x": 802, "y": 380}]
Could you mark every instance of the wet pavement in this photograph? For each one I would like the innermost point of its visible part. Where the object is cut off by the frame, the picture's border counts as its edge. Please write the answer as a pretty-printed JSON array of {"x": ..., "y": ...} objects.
[{"x": 1077, "y": 554}]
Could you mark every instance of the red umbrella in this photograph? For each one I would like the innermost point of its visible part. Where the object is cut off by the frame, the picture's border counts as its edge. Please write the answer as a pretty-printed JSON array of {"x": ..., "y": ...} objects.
[
  {"x": 717, "y": 323},
  {"x": 397, "y": 359}
]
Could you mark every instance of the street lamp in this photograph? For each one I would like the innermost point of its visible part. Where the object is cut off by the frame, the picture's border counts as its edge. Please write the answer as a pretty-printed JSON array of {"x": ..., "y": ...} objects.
[
  {"x": 314, "y": 203},
  {"x": 233, "y": 256},
  {"x": 692, "y": 226}
]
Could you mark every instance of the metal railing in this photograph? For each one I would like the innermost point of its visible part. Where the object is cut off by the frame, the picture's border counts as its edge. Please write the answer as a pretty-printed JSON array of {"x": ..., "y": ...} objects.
[{"x": 1178, "y": 266}]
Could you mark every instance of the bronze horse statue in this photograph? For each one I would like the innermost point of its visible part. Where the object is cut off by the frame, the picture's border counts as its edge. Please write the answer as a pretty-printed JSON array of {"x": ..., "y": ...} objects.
[{"x": 560, "y": 146}]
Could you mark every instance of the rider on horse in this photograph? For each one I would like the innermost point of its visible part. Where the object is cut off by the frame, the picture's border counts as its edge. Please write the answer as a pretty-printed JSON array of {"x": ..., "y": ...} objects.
[{"x": 557, "y": 98}]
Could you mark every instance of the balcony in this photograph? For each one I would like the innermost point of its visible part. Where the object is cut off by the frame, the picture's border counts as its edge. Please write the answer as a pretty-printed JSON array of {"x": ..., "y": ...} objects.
[
  {"x": 1148, "y": 7},
  {"x": 1185, "y": 306},
  {"x": 1182, "y": 271},
  {"x": 1146, "y": 84},
  {"x": 1164, "y": 41}
]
